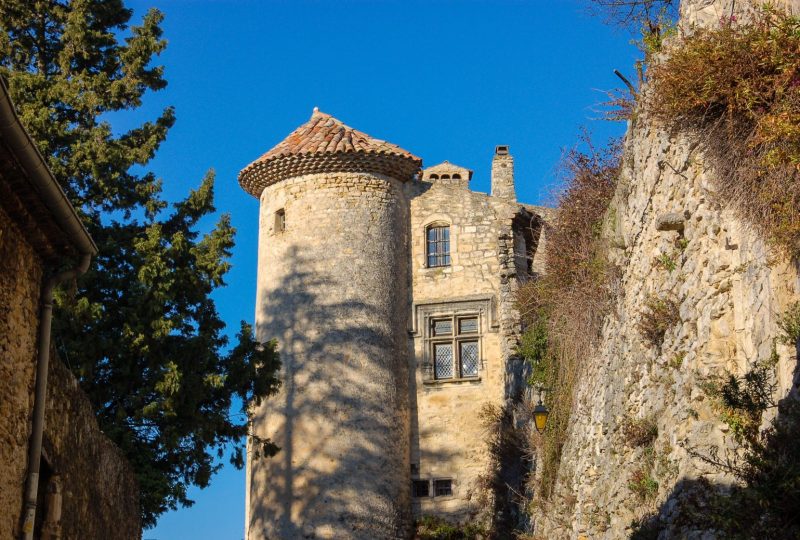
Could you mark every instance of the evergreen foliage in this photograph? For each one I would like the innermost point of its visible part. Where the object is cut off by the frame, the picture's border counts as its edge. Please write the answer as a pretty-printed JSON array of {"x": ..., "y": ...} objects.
[{"x": 140, "y": 330}]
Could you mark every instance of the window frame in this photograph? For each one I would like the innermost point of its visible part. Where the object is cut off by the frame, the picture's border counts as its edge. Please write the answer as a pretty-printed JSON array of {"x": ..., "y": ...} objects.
[
  {"x": 456, "y": 339},
  {"x": 279, "y": 221},
  {"x": 431, "y": 487},
  {"x": 415, "y": 482},
  {"x": 438, "y": 258}
]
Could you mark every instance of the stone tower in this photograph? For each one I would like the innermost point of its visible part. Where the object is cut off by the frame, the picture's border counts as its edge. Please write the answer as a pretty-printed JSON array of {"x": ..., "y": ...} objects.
[{"x": 333, "y": 291}]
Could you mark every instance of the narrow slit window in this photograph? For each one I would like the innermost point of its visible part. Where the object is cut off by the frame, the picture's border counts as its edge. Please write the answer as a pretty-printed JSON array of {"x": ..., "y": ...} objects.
[
  {"x": 438, "y": 246},
  {"x": 280, "y": 220}
]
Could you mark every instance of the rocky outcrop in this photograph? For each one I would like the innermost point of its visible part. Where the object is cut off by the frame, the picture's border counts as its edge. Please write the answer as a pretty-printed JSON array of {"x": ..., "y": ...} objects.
[
  {"x": 730, "y": 288},
  {"x": 675, "y": 244}
]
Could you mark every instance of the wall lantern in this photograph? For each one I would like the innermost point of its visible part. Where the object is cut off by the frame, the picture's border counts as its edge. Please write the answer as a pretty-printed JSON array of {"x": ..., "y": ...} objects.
[{"x": 540, "y": 413}]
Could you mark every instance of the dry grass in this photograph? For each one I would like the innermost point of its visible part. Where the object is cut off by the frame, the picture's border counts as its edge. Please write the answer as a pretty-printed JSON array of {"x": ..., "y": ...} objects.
[
  {"x": 737, "y": 88},
  {"x": 567, "y": 306},
  {"x": 640, "y": 432},
  {"x": 659, "y": 315}
]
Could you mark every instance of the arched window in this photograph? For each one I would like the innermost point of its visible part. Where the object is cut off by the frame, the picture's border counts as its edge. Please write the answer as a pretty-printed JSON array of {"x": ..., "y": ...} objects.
[
  {"x": 434, "y": 177},
  {"x": 438, "y": 243},
  {"x": 456, "y": 176},
  {"x": 445, "y": 177}
]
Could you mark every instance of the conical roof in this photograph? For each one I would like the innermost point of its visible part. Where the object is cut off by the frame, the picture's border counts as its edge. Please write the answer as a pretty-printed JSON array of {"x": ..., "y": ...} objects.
[{"x": 325, "y": 144}]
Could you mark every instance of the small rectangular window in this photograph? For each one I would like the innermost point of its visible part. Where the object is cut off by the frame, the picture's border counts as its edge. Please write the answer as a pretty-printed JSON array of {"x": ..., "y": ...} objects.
[
  {"x": 421, "y": 488},
  {"x": 438, "y": 242},
  {"x": 468, "y": 326},
  {"x": 280, "y": 220},
  {"x": 443, "y": 327},
  {"x": 442, "y": 487}
]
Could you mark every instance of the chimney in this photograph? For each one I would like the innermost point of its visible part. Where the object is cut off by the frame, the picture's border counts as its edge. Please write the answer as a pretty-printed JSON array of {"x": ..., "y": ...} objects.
[{"x": 503, "y": 174}]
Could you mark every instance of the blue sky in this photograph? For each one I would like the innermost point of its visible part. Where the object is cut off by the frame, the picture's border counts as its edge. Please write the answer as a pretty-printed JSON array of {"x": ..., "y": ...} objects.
[{"x": 443, "y": 79}]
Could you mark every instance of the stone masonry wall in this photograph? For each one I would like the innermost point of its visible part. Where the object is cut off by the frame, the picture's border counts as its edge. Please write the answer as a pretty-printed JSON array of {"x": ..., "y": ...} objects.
[
  {"x": 448, "y": 439},
  {"x": 98, "y": 491},
  {"x": 332, "y": 289},
  {"x": 730, "y": 287},
  {"x": 20, "y": 282}
]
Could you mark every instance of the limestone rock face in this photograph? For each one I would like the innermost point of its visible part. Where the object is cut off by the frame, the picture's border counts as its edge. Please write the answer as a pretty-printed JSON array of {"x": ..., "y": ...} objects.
[
  {"x": 730, "y": 287},
  {"x": 709, "y": 13}
]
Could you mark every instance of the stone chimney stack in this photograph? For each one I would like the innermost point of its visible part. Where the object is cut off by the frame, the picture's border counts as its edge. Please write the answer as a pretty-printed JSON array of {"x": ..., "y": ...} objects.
[{"x": 503, "y": 174}]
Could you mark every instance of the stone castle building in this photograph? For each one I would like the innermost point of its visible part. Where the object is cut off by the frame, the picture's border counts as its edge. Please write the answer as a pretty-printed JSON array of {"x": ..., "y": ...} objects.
[{"x": 389, "y": 290}]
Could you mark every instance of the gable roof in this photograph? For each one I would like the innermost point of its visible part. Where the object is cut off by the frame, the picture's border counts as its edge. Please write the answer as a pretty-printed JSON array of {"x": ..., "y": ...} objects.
[
  {"x": 325, "y": 144},
  {"x": 446, "y": 167}
]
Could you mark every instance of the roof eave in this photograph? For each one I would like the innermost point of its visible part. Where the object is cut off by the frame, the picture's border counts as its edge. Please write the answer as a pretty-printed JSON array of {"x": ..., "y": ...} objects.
[{"x": 40, "y": 176}]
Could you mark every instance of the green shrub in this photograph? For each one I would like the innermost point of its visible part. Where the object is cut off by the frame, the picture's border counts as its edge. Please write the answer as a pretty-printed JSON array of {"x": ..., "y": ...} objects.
[
  {"x": 643, "y": 484},
  {"x": 790, "y": 324},
  {"x": 740, "y": 401},
  {"x": 564, "y": 309},
  {"x": 654, "y": 32},
  {"x": 533, "y": 348},
  {"x": 766, "y": 501},
  {"x": 677, "y": 360},
  {"x": 667, "y": 262},
  {"x": 436, "y": 528}
]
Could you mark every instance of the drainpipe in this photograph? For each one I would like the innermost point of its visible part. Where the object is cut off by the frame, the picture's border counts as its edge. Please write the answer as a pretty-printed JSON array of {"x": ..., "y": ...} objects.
[
  {"x": 54, "y": 199},
  {"x": 40, "y": 396}
]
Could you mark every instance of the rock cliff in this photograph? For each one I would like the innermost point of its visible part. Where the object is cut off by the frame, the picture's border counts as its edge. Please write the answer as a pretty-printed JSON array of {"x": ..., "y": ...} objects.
[{"x": 675, "y": 245}]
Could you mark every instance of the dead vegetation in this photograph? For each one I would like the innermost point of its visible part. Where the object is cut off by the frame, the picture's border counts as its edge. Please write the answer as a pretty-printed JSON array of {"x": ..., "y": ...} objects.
[
  {"x": 632, "y": 14},
  {"x": 640, "y": 431},
  {"x": 736, "y": 88},
  {"x": 660, "y": 314},
  {"x": 564, "y": 309}
]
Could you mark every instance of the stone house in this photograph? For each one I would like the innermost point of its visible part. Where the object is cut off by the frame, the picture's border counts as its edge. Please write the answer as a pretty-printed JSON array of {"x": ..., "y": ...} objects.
[
  {"x": 389, "y": 290},
  {"x": 79, "y": 483}
]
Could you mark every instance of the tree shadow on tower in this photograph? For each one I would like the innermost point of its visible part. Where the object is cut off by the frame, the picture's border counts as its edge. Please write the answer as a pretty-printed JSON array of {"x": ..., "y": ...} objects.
[{"x": 341, "y": 418}]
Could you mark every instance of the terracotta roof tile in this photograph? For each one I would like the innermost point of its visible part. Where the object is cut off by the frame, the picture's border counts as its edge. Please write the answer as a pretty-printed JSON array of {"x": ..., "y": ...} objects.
[{"x": 345, "y": 149}]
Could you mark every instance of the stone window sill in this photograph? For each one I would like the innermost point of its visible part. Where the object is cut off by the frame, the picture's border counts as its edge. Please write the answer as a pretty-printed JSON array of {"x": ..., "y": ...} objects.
[{"x": 443, "y": 382}]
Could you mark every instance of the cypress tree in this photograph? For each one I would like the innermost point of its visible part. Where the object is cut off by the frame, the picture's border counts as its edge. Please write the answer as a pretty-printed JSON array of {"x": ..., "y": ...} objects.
[{"x": 140, "y": 330}]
